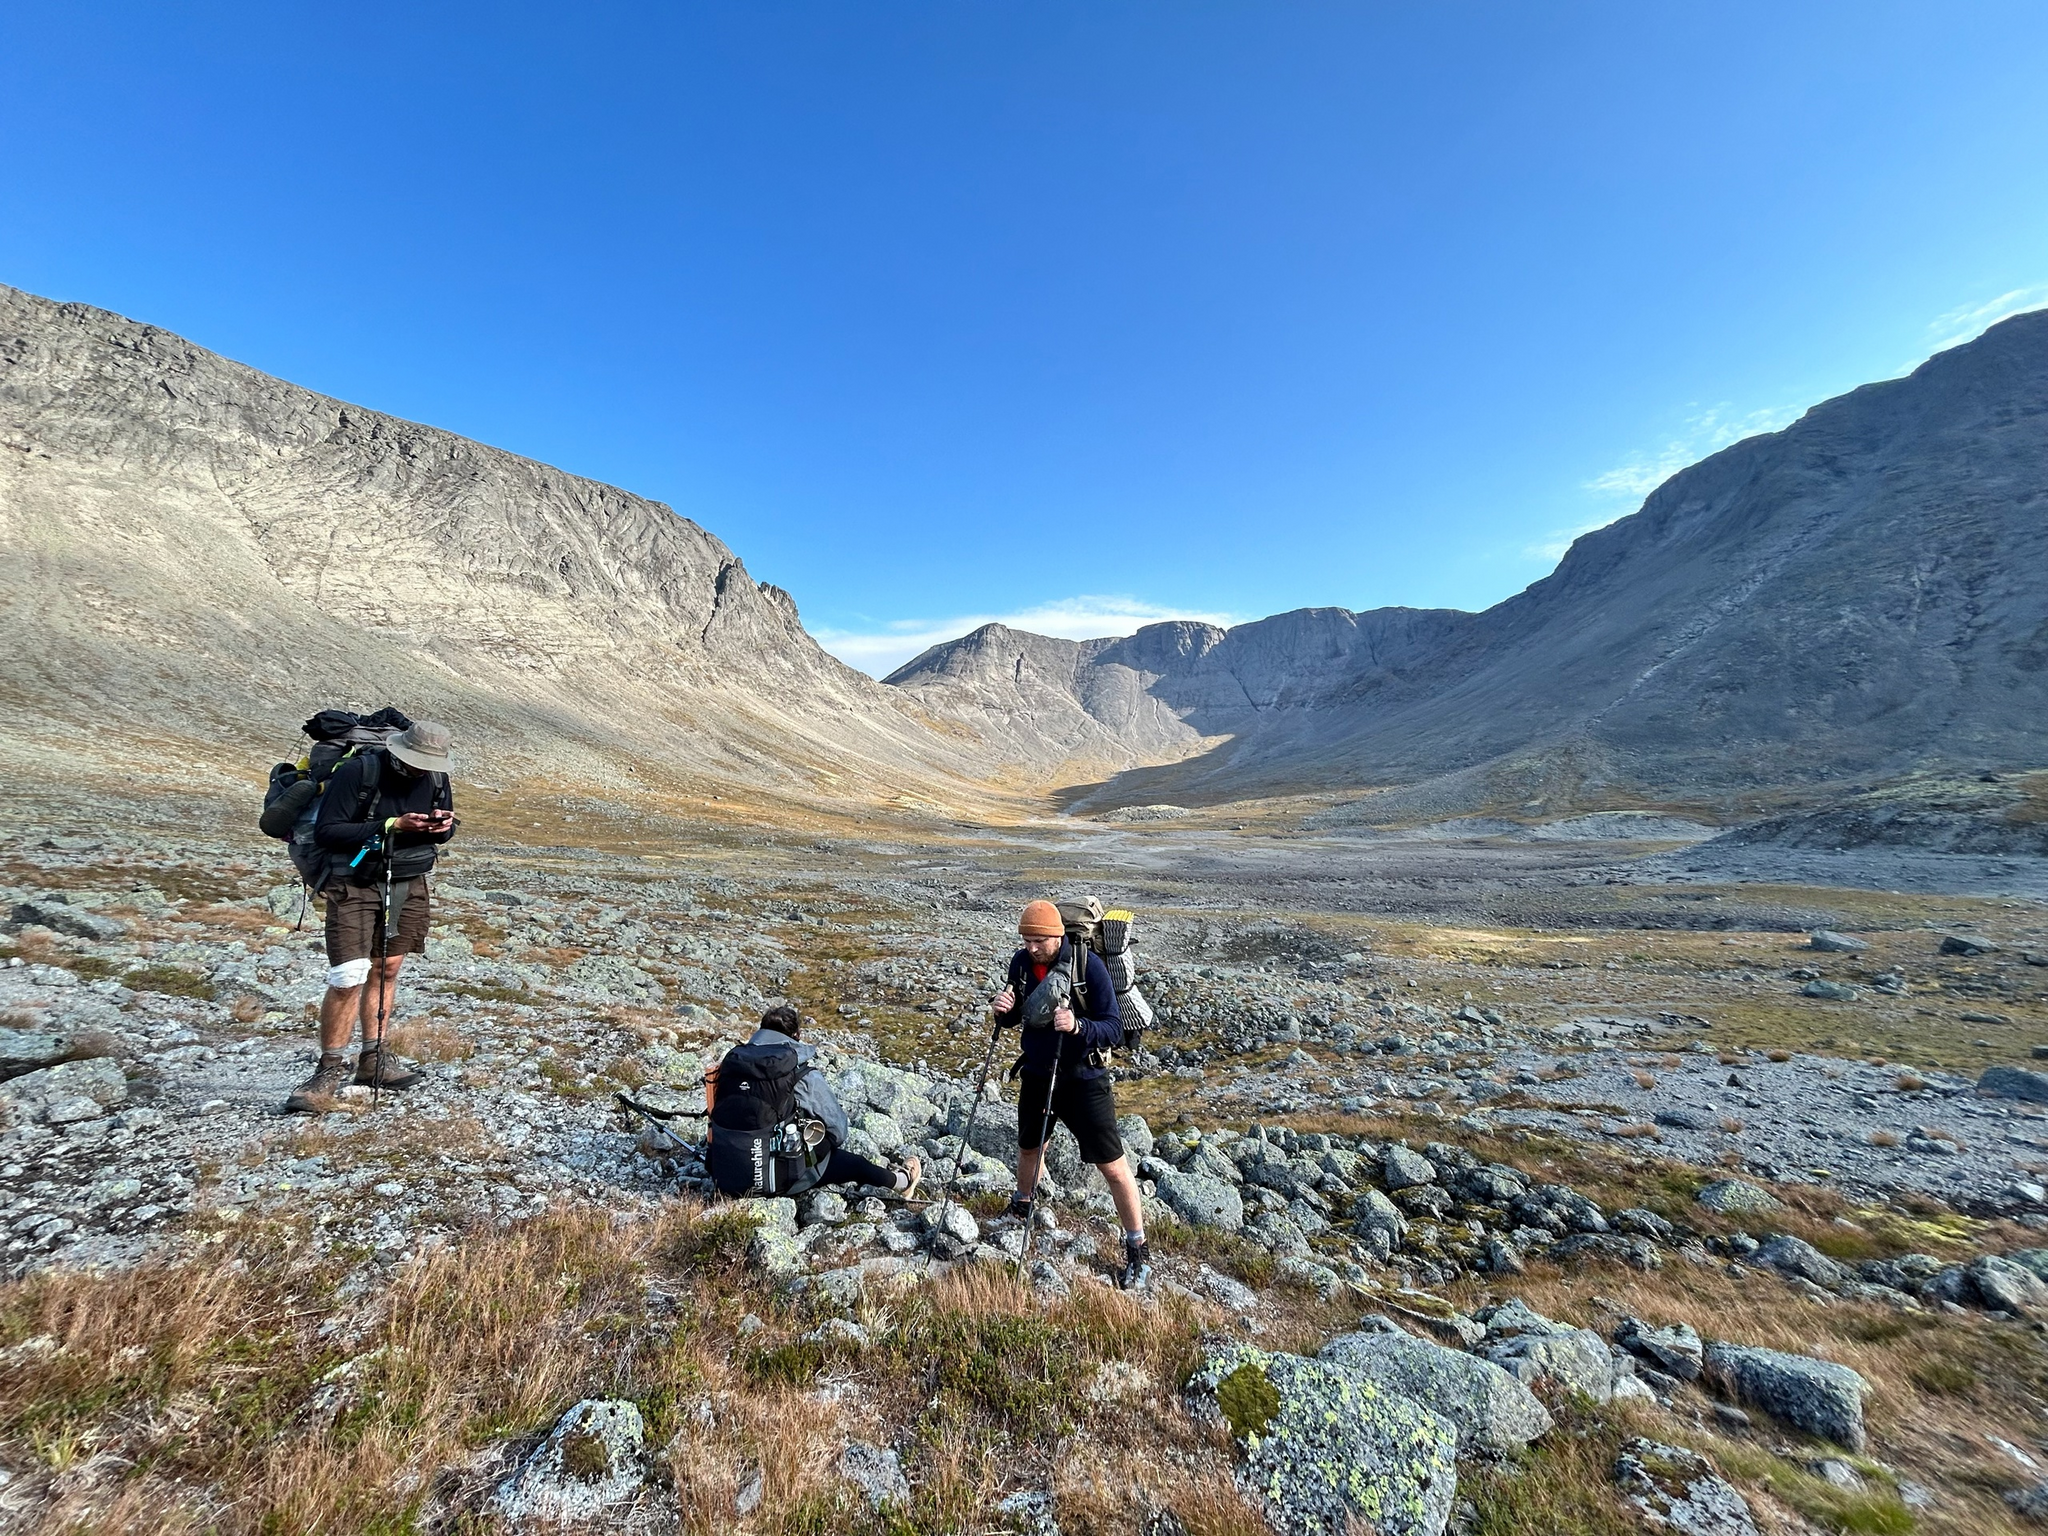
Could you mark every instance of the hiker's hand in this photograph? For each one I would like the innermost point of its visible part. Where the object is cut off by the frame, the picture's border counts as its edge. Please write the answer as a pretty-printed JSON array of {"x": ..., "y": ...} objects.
[
  {"x": 1063, "y": 1019},
  {"x": 1005, "y": 1000},
  {"x": 414, "y": 821}
]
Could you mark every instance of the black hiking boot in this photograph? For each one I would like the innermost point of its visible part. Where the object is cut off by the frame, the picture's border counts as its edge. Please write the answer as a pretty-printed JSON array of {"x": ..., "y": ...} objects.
[
  {"x": 316, "y": 1094},
  {"x": 382, "y": 1069},
  {"x": 1019, "y": 1207},
  {"x": 1137, "y": 1271}
]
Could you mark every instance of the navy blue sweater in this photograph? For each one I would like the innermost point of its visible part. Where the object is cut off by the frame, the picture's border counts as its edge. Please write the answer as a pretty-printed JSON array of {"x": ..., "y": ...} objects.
[{"x": 1100, "y": 1024}]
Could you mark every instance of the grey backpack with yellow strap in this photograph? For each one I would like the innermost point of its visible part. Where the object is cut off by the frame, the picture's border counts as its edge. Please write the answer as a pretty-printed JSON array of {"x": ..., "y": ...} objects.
[{"x": 1112, "y": 935}]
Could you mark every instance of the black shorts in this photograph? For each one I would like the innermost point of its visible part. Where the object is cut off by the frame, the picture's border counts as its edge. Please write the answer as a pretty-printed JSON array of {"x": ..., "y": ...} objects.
[{"x": 1084, "y": 1105}]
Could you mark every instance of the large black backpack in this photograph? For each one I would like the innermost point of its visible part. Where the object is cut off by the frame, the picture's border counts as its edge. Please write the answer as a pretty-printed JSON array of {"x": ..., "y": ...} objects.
[
  {"x": 291, "y": 804},
  {"x": 758, "y": 1145}
]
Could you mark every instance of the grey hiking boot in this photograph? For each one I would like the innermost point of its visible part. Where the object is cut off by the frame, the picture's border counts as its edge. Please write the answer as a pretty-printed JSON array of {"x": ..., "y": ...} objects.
[
  {"x": 383, "y": 1069},
  {"x": 1137, "y": 1271},
  {"x": 316, "y": 1093}
]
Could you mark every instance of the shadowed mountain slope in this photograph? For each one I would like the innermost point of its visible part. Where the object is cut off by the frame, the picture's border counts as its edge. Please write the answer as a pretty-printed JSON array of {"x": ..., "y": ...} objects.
[{"x": 1865, "y": 592}]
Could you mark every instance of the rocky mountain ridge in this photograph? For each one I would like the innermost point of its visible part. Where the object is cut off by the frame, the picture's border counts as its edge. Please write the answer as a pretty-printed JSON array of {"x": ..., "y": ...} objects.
[
  {"x": 195, "y": 552},
  {"x": 1856, "y": 594}
]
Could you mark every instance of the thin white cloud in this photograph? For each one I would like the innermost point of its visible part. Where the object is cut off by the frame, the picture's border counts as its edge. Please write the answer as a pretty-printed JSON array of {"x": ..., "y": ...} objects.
[
  {"x": 882, "y": 650},
  {"x": 1973, "y": 320},
  {"x": 1703, "y": 433},
  {"x": 1552, "y": 546}
]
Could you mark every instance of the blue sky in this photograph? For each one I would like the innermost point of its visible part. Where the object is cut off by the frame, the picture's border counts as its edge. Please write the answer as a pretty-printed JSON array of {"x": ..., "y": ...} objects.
[{"x": 1084, "y": 312}]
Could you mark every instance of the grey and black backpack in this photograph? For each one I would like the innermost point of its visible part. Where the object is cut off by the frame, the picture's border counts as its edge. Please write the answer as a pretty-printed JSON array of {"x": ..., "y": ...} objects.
[
  {"x": 760, "y": 1145},
  {"x": 1113, "y": 936}
]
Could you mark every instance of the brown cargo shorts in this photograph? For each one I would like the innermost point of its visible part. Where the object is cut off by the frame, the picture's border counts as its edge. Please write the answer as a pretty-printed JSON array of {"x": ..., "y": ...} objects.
[{"x": 352, "y": 912}]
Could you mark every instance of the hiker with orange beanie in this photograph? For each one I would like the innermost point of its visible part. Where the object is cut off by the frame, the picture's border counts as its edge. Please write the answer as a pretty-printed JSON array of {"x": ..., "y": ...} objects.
[{"x": 1065, "y": 1004}]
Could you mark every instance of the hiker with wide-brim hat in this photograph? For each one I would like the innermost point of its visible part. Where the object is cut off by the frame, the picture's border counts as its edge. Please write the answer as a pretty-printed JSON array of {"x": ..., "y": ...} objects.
[
  {"x": 1065, "y": 1029},
  {"x": 384, "y": 815}
]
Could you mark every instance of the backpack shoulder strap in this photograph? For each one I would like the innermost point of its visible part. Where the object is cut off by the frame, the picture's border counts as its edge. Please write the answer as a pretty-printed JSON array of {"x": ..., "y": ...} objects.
[{"x": 368, "y": 785}]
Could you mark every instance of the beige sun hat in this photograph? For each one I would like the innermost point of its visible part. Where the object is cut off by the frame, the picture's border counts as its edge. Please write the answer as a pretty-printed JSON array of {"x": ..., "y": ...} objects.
[{"x": 423, "y": 745}]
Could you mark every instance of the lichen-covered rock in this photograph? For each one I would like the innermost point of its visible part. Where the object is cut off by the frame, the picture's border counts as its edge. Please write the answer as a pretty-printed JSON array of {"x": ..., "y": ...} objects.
[
  {"x": 1818, "y": 1396},
  {"x": 2006, "y": 1286},
  {"x": 877, "y": 1473},
  {"x": 1795, "y": 1256},
  {"x": 1494, "y": 1413},
  {"x": 1676, "y": 1349},
  {"x": 2014, "y": 1083},
  {"x": 1374, "y": 1212},
  {"x": 1532, "y": 1349},
  {"x": 1201, "y": 1201},
  {"x": 1136, "y": 1134},
  {"x": 1680, "y": 1491},
  {"x": 609, "y": 978},
  {"x": 25, "y": 1050},
  {"x": 32, "y": 1095},
  {"x": 1737, "y": 1197},
  {"x": 1327, "y": 1448},
  {"x": 1403, "y": 1169},
  {"x": 592, "y": 1459}
]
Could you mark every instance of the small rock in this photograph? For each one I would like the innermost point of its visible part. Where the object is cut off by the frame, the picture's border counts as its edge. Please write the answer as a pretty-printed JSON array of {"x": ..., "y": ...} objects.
[
  {"x": 2006, "y": 1286},
  {"x": 2014, "y": 1083},
  {"x": 1795, "y": 1256},
  {"x": 62, "y": 917},
  {"x": 877, "y": 1473},
  {"x": 1736, "y": 1197},
  {"x": 1677, "y": 1348},
  {"x": 1201, "y": 1201},
  {"x": 2030, "y": 1503},
  {"x": 1966, "y": 944},
  {"x": 1403, "y": 1169},
  {"x": 1029, "y": 1513},
  {"x": 591, "y": 1460},
  {"x": 952, "y": 1219},
  {"x": 1680, "y": 1491},
  {"x": 1832, "y": 991},
  {"x": 1834, "y": 943}
]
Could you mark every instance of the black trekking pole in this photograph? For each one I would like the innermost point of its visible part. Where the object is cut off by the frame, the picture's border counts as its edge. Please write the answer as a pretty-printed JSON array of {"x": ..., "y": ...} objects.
[
  {"x": 973, "y": 1110},
  {"x": 1044, "y": 1148},
  {"x": 383, "y": 950}
]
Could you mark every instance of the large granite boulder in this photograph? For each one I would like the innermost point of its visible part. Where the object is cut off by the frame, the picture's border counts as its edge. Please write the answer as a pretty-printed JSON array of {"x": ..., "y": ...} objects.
[
  {"x": 1818, "y": 1396},
  {"x": 1327, "y": 1448},
  {"x": 1494, "y": 1413}
]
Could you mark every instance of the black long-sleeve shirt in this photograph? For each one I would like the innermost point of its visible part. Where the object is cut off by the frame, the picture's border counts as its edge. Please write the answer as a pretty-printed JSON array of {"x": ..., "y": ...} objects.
[{"x": 339, "y": 832}]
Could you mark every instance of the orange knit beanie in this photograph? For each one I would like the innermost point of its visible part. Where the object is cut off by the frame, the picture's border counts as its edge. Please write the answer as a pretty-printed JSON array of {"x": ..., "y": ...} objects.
[{"x": 1041, "y": 920}]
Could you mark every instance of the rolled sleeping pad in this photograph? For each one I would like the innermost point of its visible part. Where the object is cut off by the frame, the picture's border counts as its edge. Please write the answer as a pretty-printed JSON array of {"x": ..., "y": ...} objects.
[
  {"x": 1113, "y": 933},
  {"x": 1123, "y": 970},
  {"x": 1137, "y": 1012}
]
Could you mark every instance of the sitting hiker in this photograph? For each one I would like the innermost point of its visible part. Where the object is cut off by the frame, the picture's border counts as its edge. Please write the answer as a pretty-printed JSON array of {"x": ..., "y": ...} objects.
[
  {"x": 777, "y": 1129},
  {"x": 1066, "y": 1027},
  {"x": 384, "y": 811}
]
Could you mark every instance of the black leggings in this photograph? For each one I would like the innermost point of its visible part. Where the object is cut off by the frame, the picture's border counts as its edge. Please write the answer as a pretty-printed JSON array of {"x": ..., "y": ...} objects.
[{"x": 844, "y": 1167}]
